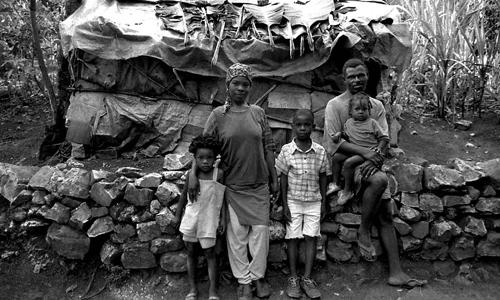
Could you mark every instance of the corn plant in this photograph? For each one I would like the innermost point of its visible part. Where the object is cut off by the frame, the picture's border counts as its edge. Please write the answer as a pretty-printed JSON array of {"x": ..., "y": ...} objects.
[{"x": 452, "y": 49}]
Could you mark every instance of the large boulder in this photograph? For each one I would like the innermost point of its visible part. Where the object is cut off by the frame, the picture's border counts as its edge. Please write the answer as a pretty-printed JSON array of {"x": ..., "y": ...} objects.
[
  {"x": 430, "y": 202},
  {"x": 488, "y": 206},
  {"x": 100, "y": 175},
  {"x": 401, "y": 226},
  {"x": 468, "y": 171},
  {"x": 166, "y": 219},
  {"x": 409, "y": 214},
  {"x": 109, "y": 253},
  {"x": 68, "y": 242},
  {"x": 474, "y": 226},
  {"x": 338, "y": 250},
  {"x": 432, "y": 250},
  {"x": 167, "y": 193},
  {"x": 13, "y": 179},
  {"x": 462, "y": 248},
  {"x": 438, "y": 176},
  {"x": 409, "y": 177},
  {"x": 409, "y": 199},
  {"x": 104, "y": 193},
  {"x": 166, "y": 244},
  {"x": 176, "y": 161},
  {"x": 75, "y": 183},
  {"x": 58, "y": 213},
  {"x": 138, "y": 197},
  {"x": 148, "y": 231},
  {"x": 348, "y": 219},
  {"x": 347, "y": 234},
  {"x": 455, "y": 200},
  {"x": 488, "y": 249},
  {"x": 23, "y": 197},
  {"x": 136, "y": 255},
  {"x": 172, "y": 175},
  {"x": 101, "y": 226},
  {"x": 441, "y": 231},
  {"x": 151, "y": 180},
  {"x": 129, "y": 172},
  {"x": 46, "y": 179},
  {"x": 80, "y": 216},
  {"x": 409, "y": 243},
  {"x": 420, "y": 229},
  {"x": 122, "y": 232},
  {"x": 174, "y": 262},
  {"x": 492, "y": 170}
]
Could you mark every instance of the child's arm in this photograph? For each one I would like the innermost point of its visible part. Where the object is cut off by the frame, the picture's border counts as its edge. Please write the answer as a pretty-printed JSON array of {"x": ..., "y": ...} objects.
[
  {"x": 382, "y": 138},
  {"x": 323, "y": 183},
  {"x": 181, "y": 204},
  {"x": 336, "y": 137},
  {"x": 287, "y": 217}
]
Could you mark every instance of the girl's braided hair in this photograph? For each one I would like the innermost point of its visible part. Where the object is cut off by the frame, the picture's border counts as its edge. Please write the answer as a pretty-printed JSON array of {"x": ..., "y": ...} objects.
[
  {"x": 363, "y": 99},
  {"x": 205, "y": 142}
]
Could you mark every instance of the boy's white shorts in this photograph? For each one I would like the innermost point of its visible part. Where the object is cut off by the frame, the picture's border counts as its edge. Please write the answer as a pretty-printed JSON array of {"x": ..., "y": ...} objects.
[{"x": 305, "y": 219}]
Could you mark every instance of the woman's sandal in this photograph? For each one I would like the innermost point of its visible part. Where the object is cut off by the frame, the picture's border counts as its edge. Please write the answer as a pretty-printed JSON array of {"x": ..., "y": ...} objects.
[
  {"x": 191, "y": 296},
  {"x": 367, "y": 252},
  {"x": 409, "y": 284}
]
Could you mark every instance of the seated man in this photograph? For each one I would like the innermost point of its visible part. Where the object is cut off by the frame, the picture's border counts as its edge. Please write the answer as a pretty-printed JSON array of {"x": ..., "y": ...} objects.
[{"x": 375, "y": 200}]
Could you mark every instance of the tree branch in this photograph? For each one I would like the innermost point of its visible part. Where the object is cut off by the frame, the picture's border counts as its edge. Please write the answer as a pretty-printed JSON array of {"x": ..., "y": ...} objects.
[{"x": 41, "y": 63}]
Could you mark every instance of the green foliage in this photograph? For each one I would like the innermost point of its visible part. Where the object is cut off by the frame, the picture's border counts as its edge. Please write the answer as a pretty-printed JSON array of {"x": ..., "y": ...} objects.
[
  {"x": 19, "y": 70},
  {"x": 454, "y": 54}
]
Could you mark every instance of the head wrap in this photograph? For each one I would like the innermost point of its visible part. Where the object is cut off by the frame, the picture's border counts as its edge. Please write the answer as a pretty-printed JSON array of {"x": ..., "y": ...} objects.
[{"x": 238, "y": 70}]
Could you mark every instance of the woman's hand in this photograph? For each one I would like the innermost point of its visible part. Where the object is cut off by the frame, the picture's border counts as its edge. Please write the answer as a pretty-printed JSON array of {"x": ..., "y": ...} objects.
[
  {"x": 274, "y": 188},
  {"x": 287, "y": 216},
  {"x": 193, "y": 186}
]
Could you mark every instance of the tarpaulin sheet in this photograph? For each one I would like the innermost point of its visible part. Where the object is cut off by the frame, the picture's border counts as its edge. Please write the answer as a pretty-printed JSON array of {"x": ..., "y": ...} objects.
[
  {"x": 112, "y": 115},
  {"x": 122, "y": 30}
]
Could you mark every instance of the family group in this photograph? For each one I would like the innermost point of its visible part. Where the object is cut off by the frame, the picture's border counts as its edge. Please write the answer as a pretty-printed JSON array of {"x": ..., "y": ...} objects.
[{"x": 232, "y": 194}]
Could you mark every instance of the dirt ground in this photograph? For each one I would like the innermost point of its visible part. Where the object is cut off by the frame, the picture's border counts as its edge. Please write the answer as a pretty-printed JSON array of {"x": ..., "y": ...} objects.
[{"x": 28, "y": 270}]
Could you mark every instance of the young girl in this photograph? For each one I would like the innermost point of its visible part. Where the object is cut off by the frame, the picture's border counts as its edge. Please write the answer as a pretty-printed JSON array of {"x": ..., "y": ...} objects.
[
  {"x": 360, "y": 130},
  {"x": 202, "y": 217}
]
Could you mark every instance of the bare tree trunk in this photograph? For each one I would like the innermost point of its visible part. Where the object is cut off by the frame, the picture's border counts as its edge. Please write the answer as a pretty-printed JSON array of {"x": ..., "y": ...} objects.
[{"x": 39, "y": 55}]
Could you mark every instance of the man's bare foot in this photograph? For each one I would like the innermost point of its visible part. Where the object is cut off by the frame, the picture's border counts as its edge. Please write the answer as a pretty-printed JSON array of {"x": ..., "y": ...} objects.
[
  {"x": 402, "y": 279},
  {"x": 344, "y": 196},
  {"x": 366, "y": 248}
]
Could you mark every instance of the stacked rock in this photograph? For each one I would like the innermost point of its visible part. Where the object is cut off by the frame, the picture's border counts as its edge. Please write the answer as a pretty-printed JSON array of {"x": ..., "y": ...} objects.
[{"x": 439, "y": 212}]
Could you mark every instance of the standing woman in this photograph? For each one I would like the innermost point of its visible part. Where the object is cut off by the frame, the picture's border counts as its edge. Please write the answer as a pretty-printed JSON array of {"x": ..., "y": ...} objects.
[{"x": 247, "y": 159}]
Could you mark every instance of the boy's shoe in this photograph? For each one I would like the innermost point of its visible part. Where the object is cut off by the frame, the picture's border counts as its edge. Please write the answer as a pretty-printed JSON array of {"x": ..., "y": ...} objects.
[
  {"x": 293, "y": 287},
  {"x": 245, "y": 292},
  {"x": 310, "y": 287},
  {"x": 332, "y": 188},
  {"x": 344, "y": 197}
]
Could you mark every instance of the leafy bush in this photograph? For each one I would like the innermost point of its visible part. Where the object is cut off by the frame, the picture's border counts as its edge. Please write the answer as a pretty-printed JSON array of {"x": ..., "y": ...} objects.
[{"x": 19, "y": 72}]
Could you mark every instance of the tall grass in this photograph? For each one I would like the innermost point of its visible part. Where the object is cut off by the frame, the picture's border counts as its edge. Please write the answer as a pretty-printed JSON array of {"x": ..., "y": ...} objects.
[{"x": 454, "y": 53}]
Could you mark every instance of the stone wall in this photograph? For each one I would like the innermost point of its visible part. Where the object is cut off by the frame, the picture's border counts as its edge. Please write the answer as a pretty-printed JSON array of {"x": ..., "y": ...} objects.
[{"x": 439, "y": 212}]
